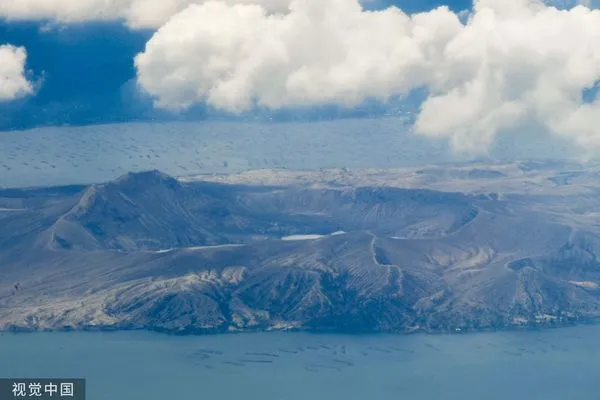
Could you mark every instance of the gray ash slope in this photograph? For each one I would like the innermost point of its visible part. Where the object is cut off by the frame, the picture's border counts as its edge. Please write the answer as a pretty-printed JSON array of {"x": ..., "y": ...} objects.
[{"x": 148, "y": 251}]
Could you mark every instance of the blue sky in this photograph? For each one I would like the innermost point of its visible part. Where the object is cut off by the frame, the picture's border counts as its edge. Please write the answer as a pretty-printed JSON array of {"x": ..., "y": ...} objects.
[
  {"x": 85, "y": 70},
  {"x": 89, "y": 77},
  {"x": 465, "y": 73}
]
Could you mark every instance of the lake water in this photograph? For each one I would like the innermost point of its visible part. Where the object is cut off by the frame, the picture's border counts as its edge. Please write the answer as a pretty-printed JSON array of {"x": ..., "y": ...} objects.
[
  {"x": 60, "y": 155},
  {"x": 552, "y": 364}
]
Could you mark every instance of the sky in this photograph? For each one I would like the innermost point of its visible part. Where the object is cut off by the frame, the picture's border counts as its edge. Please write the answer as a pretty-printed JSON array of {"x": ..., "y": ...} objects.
[
  {"x": 86, "y": 74},
  {"x": 466, "y": 71}
]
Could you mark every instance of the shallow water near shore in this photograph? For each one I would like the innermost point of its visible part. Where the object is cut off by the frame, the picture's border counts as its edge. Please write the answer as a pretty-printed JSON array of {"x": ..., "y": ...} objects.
[{"x": 549, "y": 364}]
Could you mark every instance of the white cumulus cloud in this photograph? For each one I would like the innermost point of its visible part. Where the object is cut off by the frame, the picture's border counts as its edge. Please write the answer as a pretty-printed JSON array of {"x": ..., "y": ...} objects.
[
  {"x": 520, "y": 60},
  {"x": 136, "y": 13},
  {"x": 510, "y": 61},
  {"x": 320, "y": 52},
  {"x": 13, "y": 82}
]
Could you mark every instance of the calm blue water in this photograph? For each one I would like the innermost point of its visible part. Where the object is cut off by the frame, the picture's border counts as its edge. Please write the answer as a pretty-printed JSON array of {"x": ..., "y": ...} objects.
[
  {"x": 553, "y": 364},
  {"x": 60, "y": 155}
]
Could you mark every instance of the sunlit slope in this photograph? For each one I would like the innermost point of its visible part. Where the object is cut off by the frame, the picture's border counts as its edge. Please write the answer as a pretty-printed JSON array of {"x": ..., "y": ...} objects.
[{"x": 150, "y": 251}]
